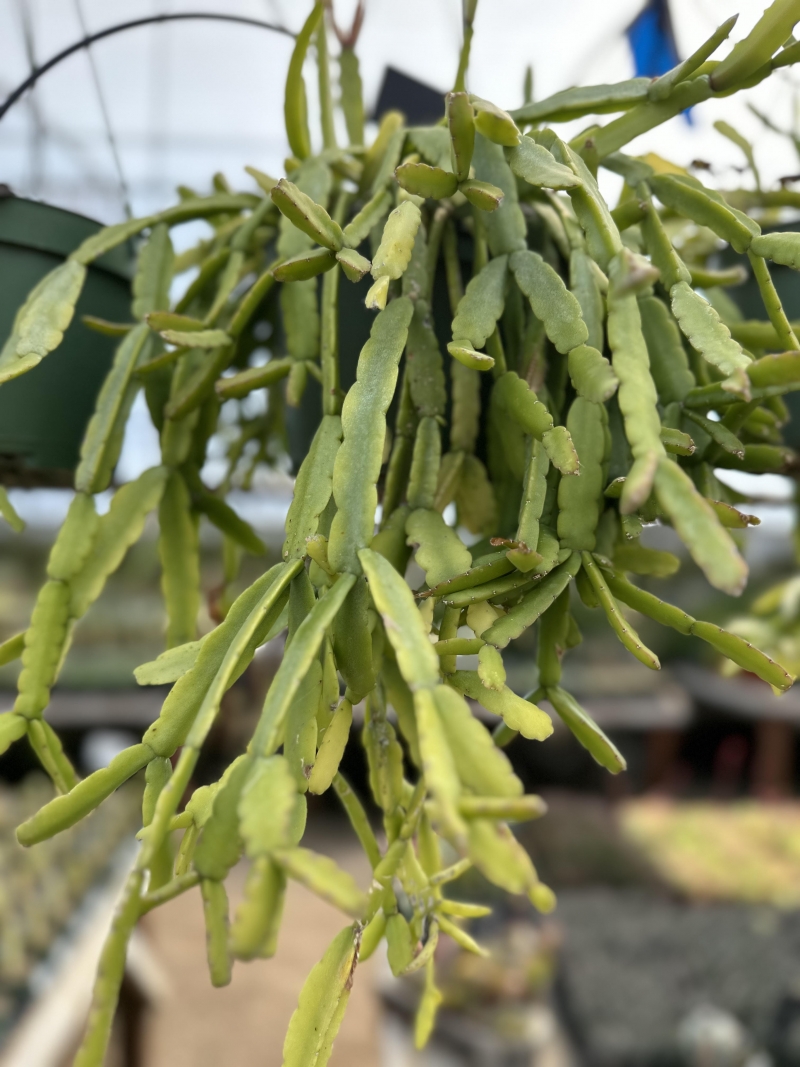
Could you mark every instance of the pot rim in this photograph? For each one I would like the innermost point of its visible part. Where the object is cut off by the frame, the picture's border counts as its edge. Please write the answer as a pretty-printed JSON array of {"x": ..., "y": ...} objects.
[{"x": 55, "y": 239}]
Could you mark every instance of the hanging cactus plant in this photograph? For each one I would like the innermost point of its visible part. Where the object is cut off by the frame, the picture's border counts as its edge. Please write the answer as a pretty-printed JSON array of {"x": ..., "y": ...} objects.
[{"x": 570, "y": 408}]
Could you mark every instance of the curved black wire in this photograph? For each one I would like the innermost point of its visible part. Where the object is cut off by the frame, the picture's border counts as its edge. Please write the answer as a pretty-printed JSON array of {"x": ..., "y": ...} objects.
[{"x": 37, "y": 72}]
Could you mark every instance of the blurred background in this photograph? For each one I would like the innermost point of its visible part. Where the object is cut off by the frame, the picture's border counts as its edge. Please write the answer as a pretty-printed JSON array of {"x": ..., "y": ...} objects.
[{"x": 677, "y": 935}]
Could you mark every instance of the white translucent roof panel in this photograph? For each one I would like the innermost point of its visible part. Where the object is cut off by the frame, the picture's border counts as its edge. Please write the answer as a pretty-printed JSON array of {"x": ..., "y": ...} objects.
[{"x": 190, "y": 98}]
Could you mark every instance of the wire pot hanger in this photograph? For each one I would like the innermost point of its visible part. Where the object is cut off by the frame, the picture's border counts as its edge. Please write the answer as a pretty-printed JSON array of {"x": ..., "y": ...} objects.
[{"x": 85, "y": 42}]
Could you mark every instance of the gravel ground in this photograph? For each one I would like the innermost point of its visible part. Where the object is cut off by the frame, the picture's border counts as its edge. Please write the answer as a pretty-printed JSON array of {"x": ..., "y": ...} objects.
[{"x": 634, "y": 966}]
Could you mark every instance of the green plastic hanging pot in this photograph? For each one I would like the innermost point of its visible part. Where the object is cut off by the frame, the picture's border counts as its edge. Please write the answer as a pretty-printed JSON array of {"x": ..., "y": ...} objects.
[
  {"x": 43, "y": 414},
  {"x": 748, "y": 299}
]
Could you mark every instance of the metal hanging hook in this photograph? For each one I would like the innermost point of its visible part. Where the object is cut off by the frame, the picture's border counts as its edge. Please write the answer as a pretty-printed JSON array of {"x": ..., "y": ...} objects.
[{"x": 37, "y": 72}]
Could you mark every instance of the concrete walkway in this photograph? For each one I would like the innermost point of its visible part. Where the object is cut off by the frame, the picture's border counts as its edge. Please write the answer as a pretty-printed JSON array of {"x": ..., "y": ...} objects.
[{"x": 244, "y": 1024}]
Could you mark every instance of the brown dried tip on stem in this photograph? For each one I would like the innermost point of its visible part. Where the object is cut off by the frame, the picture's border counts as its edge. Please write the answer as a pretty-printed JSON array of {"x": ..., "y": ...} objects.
[
  {"x": 350, "y": 39},
  {"x": 214, "y": 603},
  {"x": 507, "y": 542}
]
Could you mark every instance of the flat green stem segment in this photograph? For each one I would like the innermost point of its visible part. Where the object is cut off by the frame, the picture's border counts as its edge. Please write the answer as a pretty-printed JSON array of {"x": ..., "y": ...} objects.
[
  {"x": 198, "y": 207},
  {"x": 628, "y": 213},
  {"x": 688, "y": 197},
  {"x": 646, "y": 116},
  {"x": 461, "y": 124},
  {"x": 459, "y": 646},
  {"x": 12, "y": 728},
  {"x": 703, "y": 328},
  {"x": 266, "y": 808},
  {"x": 295, "y": 663},
  {"x": 368, "y": 217},
  {"x": 538, "y": 167},
  {"x": 358, "y": 461},
  {"x": 745, "y": 655},
  {"x": 324, "y": 877},
  {"x": 533, "y": 605},
  {"x": 110, "y": 972},
  {"x": 586, "y": 730},
  {"x": 766, "y": 37},
  {"x": 351, "y": 94},
  {"x": 580, "y": 496},
  {"x": 266, "y": 608},
  {"x": 776, "y": 369},
  {"x": 358, "y": 818},
  {"x": 534, "y": 492},
  {"x": 47, "y": 746},
  {"x": 518, "y": 714},
  {"x": 663, "y": 86},
  {"x": 98, "y": 454},
  {"x": 322, "y": 1003},
  {"x": 591, "y": 374},
  {"x": 505, "y": 227},
  {"x": 602, "y": 237},
  {"x": 508, "y": 583},
  {"x": 781, "y": 248},
  {"x": 648, "y": 604},
  {"x": 424, "y": 367},
  {"x": 180, "y": 561},
  {"x": 424, "y": 473},
  {"x": 246, "y": 381},
  {"x": 493, "y": 567},
  {"x": 659, "y": 246},
  {"x": 313, "y": 487},
  {"x": 174, "y": 888},
  {"x": 180, "y": 708},
  {"x": 696, "y": 523},
  {"x": 669, "y": 364},
  {"x": 619, "y": 624},
  {"x": 12, "y": 648},
  {"x": 405, "y": 629},
  {"x": 772, "y": 303},
  {"x": 307, "y": 215},
  {"x": 550, "y": 300},
  {"x": 215, "y": 913},
  {"x": 40, "y": 323},
  {"x": 481, "y": 766},
  {"x": 295, "y": 108},
  {"x": 482, "y": 304},
  {"x": 440, "y": 551},
  {"x": 63, "y": 812},
  {"x": 329, "y": 344},
  {"x": 637, "y": 392},
  {"x": 45, "y": 640},
  {"x": 393, "y": 254},
  {"x": 325, "y": 93},
  {"x": 251, "y": 300},
  {"x": 117, "y": 530},
  {"x": 153, "y": 278},
  {"x": 438, "y": 764},
  {"x": 584, "y": 100}
]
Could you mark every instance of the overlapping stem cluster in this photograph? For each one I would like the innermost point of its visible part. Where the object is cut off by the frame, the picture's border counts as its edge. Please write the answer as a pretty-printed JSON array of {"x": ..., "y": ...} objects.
[{"x": 573, "y": 408}]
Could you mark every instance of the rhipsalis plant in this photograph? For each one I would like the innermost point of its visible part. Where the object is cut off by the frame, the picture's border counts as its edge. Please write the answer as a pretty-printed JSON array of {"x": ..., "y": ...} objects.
[{"x": 568, "y": 405}]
